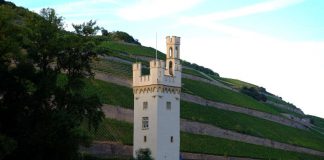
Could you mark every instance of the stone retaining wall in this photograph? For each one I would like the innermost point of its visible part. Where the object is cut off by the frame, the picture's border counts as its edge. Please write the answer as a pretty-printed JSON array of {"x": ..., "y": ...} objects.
[
  {"x": 108, "y": 149},
  {"x": 118, "y": 113},
  {"x": 113, "y": 149}
]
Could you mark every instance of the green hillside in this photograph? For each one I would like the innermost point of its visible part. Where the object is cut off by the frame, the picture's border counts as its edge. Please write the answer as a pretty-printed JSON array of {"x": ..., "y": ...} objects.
[
  {"x": 238, "y": 122},
  {"x": 115, "y": 54}
]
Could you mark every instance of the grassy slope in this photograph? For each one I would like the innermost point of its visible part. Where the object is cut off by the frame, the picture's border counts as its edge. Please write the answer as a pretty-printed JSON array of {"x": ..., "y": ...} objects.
[
  {"x": 251, "y": 125},
  {"x": 116, "y": 68},
  {"x": 235, "y": 83},
  {"x": 318, "y": 123},
  {"x": 133, "y": 49},
  {"x": 219, "y": 146},
  {"x": 108, "y": 92},
  {"x": 216, "y": 93},
  {"x": 113, "y": 130},
  {"x": 194, "y": 72}
]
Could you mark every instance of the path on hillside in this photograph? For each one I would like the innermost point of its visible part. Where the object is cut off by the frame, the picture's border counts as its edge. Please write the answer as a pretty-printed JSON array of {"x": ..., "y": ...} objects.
[
  {"x": 107, "y": 149},
  {"x": 124, "y": 114},
  {"x": 198, "y": 100}
]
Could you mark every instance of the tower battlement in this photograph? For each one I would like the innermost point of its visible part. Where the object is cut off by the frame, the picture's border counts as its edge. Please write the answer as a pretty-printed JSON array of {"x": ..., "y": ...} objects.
[
  {"x": 157, "y": 64},
  {"x": 157, "y": 76},
  {"x": 173, "y": 40}
]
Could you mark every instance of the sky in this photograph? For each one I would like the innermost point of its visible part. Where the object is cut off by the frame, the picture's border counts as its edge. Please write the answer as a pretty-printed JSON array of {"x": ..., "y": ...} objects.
[{"x": 276, "y": 44}]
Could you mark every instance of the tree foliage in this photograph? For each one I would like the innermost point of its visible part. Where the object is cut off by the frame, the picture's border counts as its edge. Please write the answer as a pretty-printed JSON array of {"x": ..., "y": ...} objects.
[
  {"x": 86, "y": 29},
  {"x": 116, "y": 36},
  {"x": 41, "y": 102},
  {"x": 254, "y": 93},
  {"x": 104, "y": 32}
]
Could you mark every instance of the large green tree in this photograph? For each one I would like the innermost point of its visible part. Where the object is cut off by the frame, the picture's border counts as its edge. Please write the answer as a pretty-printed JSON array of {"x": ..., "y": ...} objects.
[{"x": 42, "y": 68}]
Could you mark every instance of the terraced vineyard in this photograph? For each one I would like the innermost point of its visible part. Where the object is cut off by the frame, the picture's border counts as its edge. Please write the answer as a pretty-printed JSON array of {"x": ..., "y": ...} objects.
[
  {"x": 233, "y": 121},
  {"x": 122, "y": 132},
  {"x": 112, "y": 67},
  {"x": 239, "y": 122},
  {"x": 251, "y": 125}
]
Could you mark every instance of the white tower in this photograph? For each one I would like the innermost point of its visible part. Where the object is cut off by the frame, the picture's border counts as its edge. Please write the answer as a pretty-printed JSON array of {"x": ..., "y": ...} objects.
[{"x": 157, "y": 105}]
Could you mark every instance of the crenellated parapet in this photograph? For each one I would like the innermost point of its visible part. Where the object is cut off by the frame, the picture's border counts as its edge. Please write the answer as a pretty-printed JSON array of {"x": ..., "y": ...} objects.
[
  {"x": 157, "y": 76},
  {"x": 173, "y": 40}
]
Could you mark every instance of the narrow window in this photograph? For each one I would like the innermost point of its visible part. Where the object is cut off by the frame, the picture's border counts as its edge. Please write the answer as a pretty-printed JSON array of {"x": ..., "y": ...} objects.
[
  {"x": 168, "y": 106},
  {"x": 170, "y": 68},
  {"x": 144, "y": 138},
  {"x": 171, "y": 139},
  {"x": 170, "y": 52},
  {"x": 145, "y": 123},
  {"x": 145, "y": 105}
]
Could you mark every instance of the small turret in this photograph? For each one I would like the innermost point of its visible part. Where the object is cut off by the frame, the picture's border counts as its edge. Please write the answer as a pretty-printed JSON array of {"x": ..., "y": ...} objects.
[
  {"x": 173, "y": 66},
  {"x": 173, "y": 47}
]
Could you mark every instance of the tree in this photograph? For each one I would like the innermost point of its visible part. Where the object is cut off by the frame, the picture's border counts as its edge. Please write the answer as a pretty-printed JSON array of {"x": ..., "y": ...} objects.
[
  {"x": 86, "y": 29},
  {"x": 254, "y": 93},
  {"x": 123, "y": 36},
  {"x": 42, "y": 72},
  {"x": 143, "y": 154},
  {"x": 50, "y": 16},
  {"x": 104, "y": 32}
]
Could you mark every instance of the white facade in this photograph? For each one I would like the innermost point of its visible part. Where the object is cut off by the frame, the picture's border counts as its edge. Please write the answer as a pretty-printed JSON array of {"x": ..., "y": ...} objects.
[{"x": 157, "y": 105}]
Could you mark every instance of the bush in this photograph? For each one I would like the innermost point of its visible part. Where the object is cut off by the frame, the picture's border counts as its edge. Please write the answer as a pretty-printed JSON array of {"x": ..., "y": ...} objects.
[
  {"x": 254, "y": 93},
  {"x": 143, "y": 154}
]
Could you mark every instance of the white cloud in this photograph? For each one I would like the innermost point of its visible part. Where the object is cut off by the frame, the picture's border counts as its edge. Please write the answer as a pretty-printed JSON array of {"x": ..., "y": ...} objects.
[
  {"x": 244, "y": 11},
  {"x": 82, "y": 10},
  {"x": 149, "y": 9},
  {"x": 292, "y": 70},
  {"x": 289, "y": 69}
]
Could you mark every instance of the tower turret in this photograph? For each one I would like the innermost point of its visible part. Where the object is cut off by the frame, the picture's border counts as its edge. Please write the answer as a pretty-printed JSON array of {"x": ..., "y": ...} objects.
[{"x": 172, "y": 55}]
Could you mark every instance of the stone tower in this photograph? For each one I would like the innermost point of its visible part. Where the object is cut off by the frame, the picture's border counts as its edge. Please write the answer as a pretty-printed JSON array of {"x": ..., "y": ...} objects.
[{"x": 157, "y": 104}]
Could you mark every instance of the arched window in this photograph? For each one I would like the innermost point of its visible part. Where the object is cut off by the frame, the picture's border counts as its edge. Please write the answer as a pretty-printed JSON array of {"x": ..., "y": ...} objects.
[
  {"x": 170, "y": 68},
  {"x": 170, "y": 52},
  {"x": 176, "y": 52}
]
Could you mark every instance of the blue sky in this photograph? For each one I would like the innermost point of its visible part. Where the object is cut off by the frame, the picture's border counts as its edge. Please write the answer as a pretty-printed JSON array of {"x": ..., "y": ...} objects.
[{"x": 277, "y": 44}]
